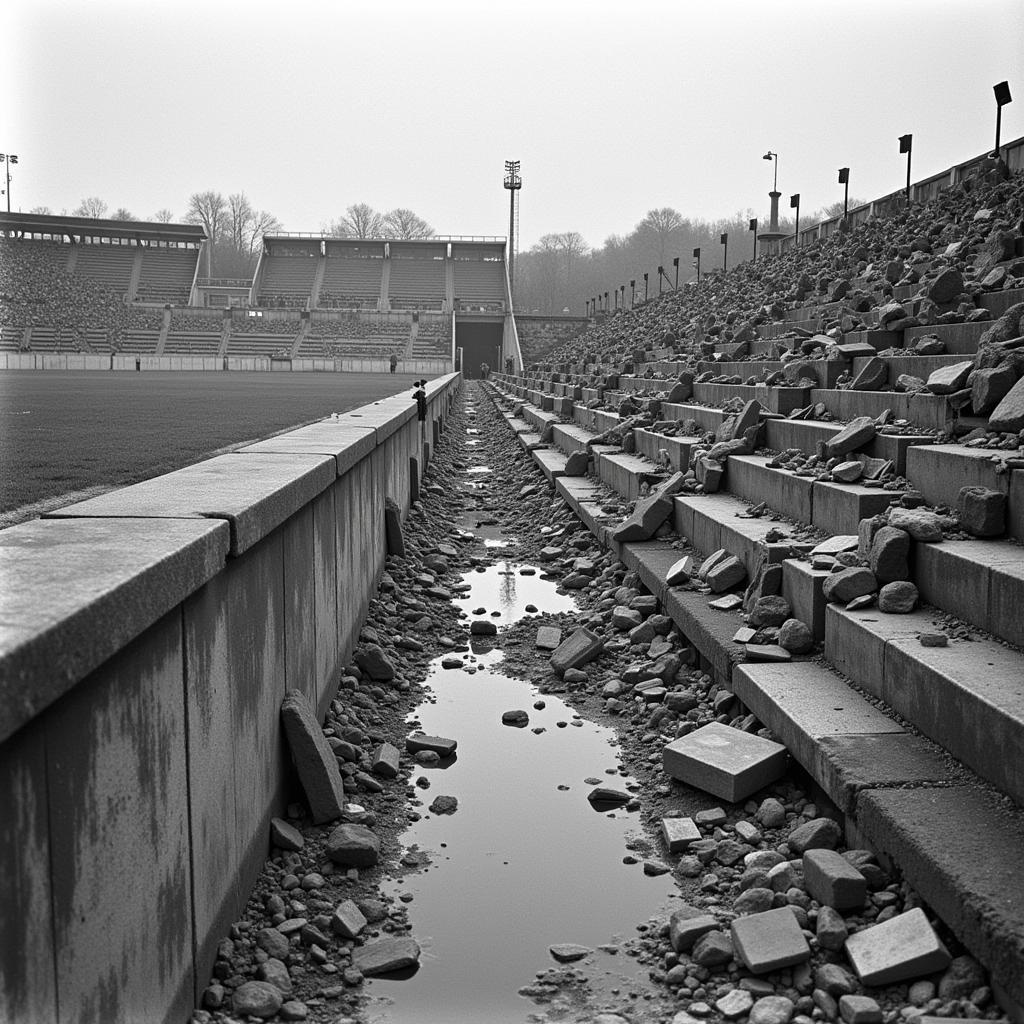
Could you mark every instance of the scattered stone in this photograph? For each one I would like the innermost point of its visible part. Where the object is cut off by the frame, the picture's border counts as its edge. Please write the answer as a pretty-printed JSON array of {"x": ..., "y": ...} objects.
[
  {"x": 373, "y": 662},
  {"x": 982, "y": 511},
  {"x": 848, "y": 584},
  {"x": 568, "y": 952},
  {"x": 934, "y": 640},
  {"x": 833, "y": 881},
  {"x": 734, "y": 1004},
  {"x": 680, "y": 572},
  {"x": 483, "y": 627},
  {"x": 859, "y": 1010},
  {"x": 947, "y": 379},
  {"x": 1008, "y": 415},
  {"x": 848, "y": 472},
  {"x": 444, "y": 805},
  {"x": 687, "y": 925},
  {"x": 712, "y": 949},
  {"x": 608, "y": 797},
  {"x": 393, "y": 528},
  {"x": 898, "y": 598},
  {"x": 796, "y": 637},
  {"x": 385, "y": 761},
  {"x": 580, "y": 647},
  {"x": 726, "y": 574},
  {"x": 890, "y": 553},
  {"x": 314, "y": 760},
  {"x": 353, "y": 846},
  {"x": 517, "y": 718},
  {"x": 772, "y": 1010},
  {"x": 285, "y": 836},
  {"x": 256, "y": 999},
  {"x": 855, "y": 435},
  {"x": 816, "y": 834},
  {"x": 831, "y": 929},
  {"x": 921, "y": 524}
]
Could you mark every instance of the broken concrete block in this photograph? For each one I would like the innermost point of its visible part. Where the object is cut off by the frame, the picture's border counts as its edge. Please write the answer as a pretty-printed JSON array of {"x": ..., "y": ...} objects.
[
  {"x": 680, "y": 572},
  {"x": 982, "y": 511},
  {"x": 835, "y": 545},
  {"x": 711, "y": 561},
  {"x": 947, "y": 379},
  {"x": 727, "y": 573},
  {"x": 768, "y": 652},
  {"x": 856, "y": 434},
  {"x": 816, "y": 834},
  {"x": 833, "y": 881},
  {"x": 548, "y": 638},
  {"x": 769, "y": 941},
  {"x": 1008, "y": 415},
  {"x": 576, "y": 650},
  {"x": 347, "y": 920},
  {"x": 922, "y": 525},
  {"x": 440, "y": 745},
  {"x": 725, "y": 762},
  {"x": 872, "y": 376},
  {"x": 386, "y": 955},
  {"x": 709, "y": 473},
  {"x": 678, "y": 833},
  {"x": 899, "y": 949},
  {"x": 845, "y": 585},
  {"x": 727, "y": 603},
  {"x": 385, "y": 761},
  {"x": 687, "y": 925},
  {"x": 372, "y": 660},
  {"x": 313, "y": 757},
  {"x": 890, "y": 554},
  {"x": 648, "y": 515},
  {"x": 577, "y": 464},
  {"x": 393, "y": 528}
]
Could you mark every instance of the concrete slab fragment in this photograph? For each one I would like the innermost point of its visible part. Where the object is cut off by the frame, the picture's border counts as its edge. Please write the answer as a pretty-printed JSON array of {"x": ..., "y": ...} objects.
[
  {"x": 899, "y": 949},
  {"x": 313, "y": 758},
  {"x": 548, "y": 638},
  {"x": 769, "y": 941},
  {"x": 678, "y": 833},
  {"x": 725, "y": 762},
  {"x": 579, "y": 648}
]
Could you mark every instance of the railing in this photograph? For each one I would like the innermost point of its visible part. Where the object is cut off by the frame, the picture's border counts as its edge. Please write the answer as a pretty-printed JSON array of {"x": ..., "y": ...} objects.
[
  {"x": 327, "y": 236},
  {"x": 224, "y": 282}
]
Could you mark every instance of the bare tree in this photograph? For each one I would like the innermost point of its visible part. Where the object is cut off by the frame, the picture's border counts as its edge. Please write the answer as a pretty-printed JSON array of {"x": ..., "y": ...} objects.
[
  {"x": 122, "y": 214},
  {"x": 163, "y": 216},
  {"x": 239, "y": 217},
  {"x": 210, "y": 210},
  {"x": 360, "y": 221},
  {"x": 93, "y": 206},
  {"x": 263, "y": 222},
  {"x": 658, "y": 230},
  {"x": 44, "y": 210},
  {"x": 403, "y": 223}
]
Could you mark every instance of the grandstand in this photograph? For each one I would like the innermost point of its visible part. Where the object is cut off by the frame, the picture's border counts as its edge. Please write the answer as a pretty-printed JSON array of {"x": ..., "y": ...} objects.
[
  {"x": 417, "y": 278},
  {"x": 353, "y": 274},
  {"x": 167, "y": 275},
  {"x": 286, "y": 274},
  {"x": 193, "y": 335},
  {"x": 252, "y": 334},
  {"x": 479, "y": 279}
]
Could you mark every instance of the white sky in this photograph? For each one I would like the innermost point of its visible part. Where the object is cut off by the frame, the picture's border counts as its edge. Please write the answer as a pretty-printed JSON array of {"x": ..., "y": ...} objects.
[{"x": 613, "y": 108}]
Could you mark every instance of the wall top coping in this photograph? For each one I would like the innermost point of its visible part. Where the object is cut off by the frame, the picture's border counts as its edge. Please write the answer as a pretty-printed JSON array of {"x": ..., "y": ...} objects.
[
  {"x": 345, "y": 443},
  {"x": 76, "y": 591},
  {"x": 255, "y": 493}
]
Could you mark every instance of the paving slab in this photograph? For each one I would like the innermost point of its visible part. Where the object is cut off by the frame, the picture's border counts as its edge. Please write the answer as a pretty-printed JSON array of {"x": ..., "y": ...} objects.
[
  {"x": 725, "y": 762},
  {"x": 935, "y": 836},
  {"x": 254, "y": 493},
  {"x": 833, "y": 881},
  {"x": 347, "y": 444},
  {"x": 769, "y": 941},
  {"x": 548, "y": 638},
  {"x": 900, "y": 949},
  {"x": 77, "y": 591},
  {"x": 678, "y": 833}
]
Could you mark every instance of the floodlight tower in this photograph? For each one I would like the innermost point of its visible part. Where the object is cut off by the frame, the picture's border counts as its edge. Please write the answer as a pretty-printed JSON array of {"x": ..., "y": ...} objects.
[{"x": 513, "y": 182}]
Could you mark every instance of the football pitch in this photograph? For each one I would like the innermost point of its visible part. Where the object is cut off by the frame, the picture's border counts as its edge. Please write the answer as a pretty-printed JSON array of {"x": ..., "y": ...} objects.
[{"x": 67, "y": 435}]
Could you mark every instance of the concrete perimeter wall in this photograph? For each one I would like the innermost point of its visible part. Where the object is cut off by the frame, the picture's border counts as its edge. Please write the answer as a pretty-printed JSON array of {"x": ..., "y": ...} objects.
[
  {"x": 81, "y": 361},
  {"x": 147, "y": 638}
]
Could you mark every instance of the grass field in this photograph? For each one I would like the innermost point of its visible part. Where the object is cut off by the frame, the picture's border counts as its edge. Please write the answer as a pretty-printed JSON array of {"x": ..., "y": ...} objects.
[{"x": 62, "y": 434}]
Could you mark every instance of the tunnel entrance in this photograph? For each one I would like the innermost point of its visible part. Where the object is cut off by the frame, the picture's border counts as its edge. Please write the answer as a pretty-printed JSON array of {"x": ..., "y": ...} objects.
[{"x": 480, "y": 343}]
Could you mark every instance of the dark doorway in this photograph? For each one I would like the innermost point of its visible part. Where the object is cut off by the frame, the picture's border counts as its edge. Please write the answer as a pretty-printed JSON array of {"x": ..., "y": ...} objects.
[{"x": 480, "y": 343}]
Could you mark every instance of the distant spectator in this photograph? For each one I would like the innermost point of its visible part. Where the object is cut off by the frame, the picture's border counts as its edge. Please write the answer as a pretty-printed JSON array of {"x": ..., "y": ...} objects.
[
  {"x": 394, "y": 362},
  {"x": 485, "y": 371}
]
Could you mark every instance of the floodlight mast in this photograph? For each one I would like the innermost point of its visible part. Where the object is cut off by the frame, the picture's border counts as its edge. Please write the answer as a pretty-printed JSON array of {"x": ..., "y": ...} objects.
[{"x": 513, "y": 182}]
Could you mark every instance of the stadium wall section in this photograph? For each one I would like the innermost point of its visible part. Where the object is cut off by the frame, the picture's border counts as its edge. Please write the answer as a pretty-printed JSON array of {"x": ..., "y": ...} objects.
[{"x": 147, "y": 638}]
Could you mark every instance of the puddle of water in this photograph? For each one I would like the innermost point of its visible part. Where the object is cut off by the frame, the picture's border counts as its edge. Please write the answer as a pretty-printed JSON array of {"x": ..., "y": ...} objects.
[
  {"x": 498, "y": 542},
  {"x": 502, "y": 587},
  {"x": 479, "y": 469},
  {"x": 522, "y": 864}
]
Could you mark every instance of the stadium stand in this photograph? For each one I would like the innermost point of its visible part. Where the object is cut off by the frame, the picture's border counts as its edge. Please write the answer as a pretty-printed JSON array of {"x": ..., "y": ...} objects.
[
  {"x": 417, "y": 276},
  {"x": 433, "y": 338},
  {"x": 259, "y": 336},
  {"x": 194, "y": 335},
  {"x": 287, "y": 276},
  {"x": 109, "y": 265},
  {"x": 355, "y": 335},
  {"x": 167, "y": 275},
  {"x": 351, "y": 282},
  {"x": 142, "y": 333},
  {"x": 480, "y": 284}
]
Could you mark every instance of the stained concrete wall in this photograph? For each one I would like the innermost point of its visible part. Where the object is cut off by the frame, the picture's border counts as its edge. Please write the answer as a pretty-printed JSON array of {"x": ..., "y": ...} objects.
[
  {"x": 127, "y": 363},
  {"x": 147, "y": 637}
]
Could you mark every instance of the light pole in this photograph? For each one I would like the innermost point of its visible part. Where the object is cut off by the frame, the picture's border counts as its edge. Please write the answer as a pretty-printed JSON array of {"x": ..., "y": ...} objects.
[
  {"x": 675, "y": 263},
  {"x": 513, "y": 182},
  {"x": 794, "y": 203},
  {"x": 661, "y": 274},
  {"x": 696, "y": 256},
  {"x": 622, "y": 296},
  {"x": 632, "y": 293},
  {"x": 844, "y": 179},
  {"x": 725, "y": 257},
  {"x": 753, "y": 227},
  {"x": 906, "y": 146},
  {"x": 1002, "y": 91},
  {"x": 773, "y": 222},
  {"x": 11, "y": 158},
  {"x": 645, "y": 287}
]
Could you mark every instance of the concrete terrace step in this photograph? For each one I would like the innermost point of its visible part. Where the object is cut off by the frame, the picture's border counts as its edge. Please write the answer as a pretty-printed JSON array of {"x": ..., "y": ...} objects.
[
  {"x": 895, "y": 790},
  {"x": 626, "y": 473},
  {"x": 968, "y": 697},
  {"x": 679, "y": 449},
  {"x": 960, "y": 339},
  {"x": 713, "y": 521},
  {"x": 940, "y": 471},
  {"x": 551, "y": 462},
  {"x": 835, "y": 508}
]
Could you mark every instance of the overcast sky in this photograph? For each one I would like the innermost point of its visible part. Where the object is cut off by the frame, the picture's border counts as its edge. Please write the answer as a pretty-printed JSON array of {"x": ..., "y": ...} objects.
[{"x": 613, "y": 108}]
